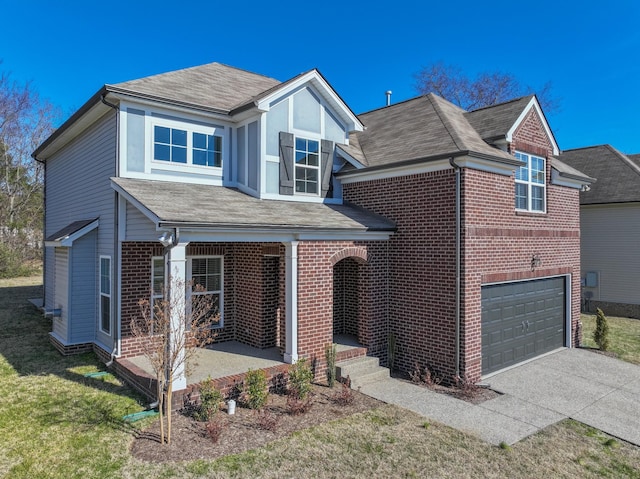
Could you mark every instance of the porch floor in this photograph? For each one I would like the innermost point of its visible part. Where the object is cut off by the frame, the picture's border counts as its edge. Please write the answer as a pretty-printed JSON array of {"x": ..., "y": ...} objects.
[{"x": 230, "y": 358}]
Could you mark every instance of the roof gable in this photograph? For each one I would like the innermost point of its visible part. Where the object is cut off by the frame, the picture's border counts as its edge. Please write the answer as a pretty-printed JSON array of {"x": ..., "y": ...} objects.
[{"x": 618, "y": 177}]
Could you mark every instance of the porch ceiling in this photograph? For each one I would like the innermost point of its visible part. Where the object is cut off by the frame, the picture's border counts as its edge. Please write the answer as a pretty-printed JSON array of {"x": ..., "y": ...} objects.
[{"x": 190, "y": 205}]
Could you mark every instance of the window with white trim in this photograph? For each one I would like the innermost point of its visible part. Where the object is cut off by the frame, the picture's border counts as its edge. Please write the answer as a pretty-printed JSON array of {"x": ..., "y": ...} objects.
[
  {"x": 307, "y": 166},
  {"x": 204, "y": 273},
  {"x": 531, "y": 183},
  {"x": 206, "y": 277},
  {"x": 187, "y": 147},
  {"x": 105, "y": 294}
]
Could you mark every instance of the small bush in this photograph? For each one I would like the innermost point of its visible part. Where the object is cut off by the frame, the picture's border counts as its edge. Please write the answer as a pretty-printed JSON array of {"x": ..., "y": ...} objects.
[
  {"x": 344, "y": 397},
  {"x": 297, "y": 406},
  {"x": 466, "y": 388},
  {"x": 267, "y": 421},
  {"x": 330, "y": 352},
  {"x": 300, "y": 377},
  {"x": 423, "y": 376},
  {"x": 601, "y": 333},
  {"x": 210, "y": 400},
  {"x": 214, "y": 429},
  {"x": 254, "y": 390}
]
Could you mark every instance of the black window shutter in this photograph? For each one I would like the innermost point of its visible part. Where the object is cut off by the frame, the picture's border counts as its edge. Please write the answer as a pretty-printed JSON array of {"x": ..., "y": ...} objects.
[
  {"x": 326, "y": 166},
  {"x": 286, "y": 163}
]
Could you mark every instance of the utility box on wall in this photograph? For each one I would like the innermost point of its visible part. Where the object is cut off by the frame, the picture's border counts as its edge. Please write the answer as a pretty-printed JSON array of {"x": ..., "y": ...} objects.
[{"x": 591, "y": 281}]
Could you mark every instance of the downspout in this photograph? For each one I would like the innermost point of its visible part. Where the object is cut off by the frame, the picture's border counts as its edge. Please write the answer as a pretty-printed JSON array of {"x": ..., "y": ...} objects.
[
  {"x": 458, "y": 263},
  {"x": 116, "y": 242}
]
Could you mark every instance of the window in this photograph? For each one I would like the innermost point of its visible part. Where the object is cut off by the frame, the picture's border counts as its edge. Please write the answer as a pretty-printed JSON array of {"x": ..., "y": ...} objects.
[
  {"x": 530, "y": 183},
  {"x": 207, "y": 272},
  {"x": 206, "y": 278},
  {"x": 307, "y": 168},
  {"x": 179, "y": 146},
  {"x": 105, "y": 294}
]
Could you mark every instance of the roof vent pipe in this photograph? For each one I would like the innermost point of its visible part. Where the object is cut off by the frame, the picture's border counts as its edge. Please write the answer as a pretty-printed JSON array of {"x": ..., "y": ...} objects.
[{"x": 388, "y": 93}]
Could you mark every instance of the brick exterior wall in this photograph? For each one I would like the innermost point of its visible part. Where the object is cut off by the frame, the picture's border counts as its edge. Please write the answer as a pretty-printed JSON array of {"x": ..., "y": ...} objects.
[{"x": 497, "y": 246}]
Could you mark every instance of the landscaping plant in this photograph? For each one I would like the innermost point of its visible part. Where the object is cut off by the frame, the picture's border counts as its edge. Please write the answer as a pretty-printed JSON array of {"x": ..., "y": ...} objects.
[
  {"x": 300, "y": 377},
  {"x": 255, "y": 390},
  {"x": 210, "y": 400},
  {"x": 601, "y": 333},
  {"x": 330, "y": 352}
]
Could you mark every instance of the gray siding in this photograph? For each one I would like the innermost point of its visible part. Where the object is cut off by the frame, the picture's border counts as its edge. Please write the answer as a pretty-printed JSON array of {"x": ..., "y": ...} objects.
[
  {"x": 610, "y": 240},
  {"x": 78, "y": 187},
  {"x": 83, "y": 285},
  {"x": 61, "y": 292},
  {"x": 139, "y": 227}
]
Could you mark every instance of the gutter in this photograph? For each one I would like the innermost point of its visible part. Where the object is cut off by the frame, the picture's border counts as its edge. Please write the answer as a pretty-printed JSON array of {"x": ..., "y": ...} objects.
[{"x": 458, "y": 265}]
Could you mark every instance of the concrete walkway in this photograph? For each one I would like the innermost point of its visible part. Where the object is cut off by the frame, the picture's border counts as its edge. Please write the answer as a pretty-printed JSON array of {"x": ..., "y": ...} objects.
[{"x": 571, "y": 383}]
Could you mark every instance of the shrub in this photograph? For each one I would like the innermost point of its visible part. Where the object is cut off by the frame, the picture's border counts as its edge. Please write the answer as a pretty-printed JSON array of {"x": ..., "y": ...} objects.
[
  {"x": 330, "y": 355},
  {"x": 214, "y": 429},
  {"x": 466, "y": 388},
  {"x": 423, "y": 376},
  {"x": 210, "y": 400},
  {"x": 298, "y": 406},
  {"x": 255, "y": 390},
  {"x": 267, "y": 421},
  {"x": 601, "y": 333},
  {"x": 344, "y": 397},
  {"x": 300, "y": 377}
]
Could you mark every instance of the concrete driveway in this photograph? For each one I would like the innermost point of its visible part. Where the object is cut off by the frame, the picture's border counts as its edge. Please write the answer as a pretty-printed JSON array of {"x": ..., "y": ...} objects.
[{"x": 570, "y": 383}]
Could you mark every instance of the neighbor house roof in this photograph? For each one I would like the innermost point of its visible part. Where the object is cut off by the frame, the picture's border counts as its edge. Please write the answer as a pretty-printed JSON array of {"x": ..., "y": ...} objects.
[
  {"x": 618, "y": 176},
  {"x": 212, "y": 86},
  {"x": 234, "y": 209},
  {"x": 423, "y": 127}
]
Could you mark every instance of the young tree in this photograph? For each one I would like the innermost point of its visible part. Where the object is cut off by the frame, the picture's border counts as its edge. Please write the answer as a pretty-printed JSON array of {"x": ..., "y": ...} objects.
[
  {"x": 486, "y": 89},
  {"x": 601, "y": 333},
  {"x": 25, "y": 121},
  {"x": 170, "y": 329}
]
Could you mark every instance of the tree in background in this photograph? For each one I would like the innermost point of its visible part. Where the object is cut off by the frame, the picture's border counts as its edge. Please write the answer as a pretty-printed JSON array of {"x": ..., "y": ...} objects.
[
  {"x": 25, "y": 121},
  {"x": 169, "y": 330},
  {"x": 486, "y": 89}
]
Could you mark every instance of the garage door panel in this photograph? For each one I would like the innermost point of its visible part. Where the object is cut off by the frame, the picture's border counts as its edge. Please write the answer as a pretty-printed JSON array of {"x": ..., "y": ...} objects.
[{"x": 521, "y": 320}]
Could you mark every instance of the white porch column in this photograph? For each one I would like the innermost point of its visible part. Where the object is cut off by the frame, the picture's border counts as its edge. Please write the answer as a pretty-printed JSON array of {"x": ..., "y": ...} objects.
[
  {"x": 177, "y": 275},
  {"x": 291, "y": 295}
]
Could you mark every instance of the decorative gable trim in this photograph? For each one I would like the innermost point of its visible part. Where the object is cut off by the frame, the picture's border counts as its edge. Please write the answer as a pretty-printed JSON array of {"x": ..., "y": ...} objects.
[
  {"x": 66, "y": 236},
  {"x": 534, "y": 105}
]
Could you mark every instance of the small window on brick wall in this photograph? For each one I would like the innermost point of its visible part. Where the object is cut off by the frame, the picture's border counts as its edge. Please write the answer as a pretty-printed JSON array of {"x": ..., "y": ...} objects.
[{"x": 531, "y": 183}]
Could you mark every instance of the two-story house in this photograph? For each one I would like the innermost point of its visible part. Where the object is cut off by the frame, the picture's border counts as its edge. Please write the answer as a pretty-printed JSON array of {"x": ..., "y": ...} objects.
[{"x": 456, "y": 232}]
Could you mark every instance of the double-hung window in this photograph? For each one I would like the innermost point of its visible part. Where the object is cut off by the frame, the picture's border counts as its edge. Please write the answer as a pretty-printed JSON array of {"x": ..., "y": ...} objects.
[
  {"x": 207, "y": 280},
  {"x": 307, "y": 167},
  {"x": 157, "y": 282},
  {"x": 187, "y": 147},
  {"x": 530, "y": 183},
  {"x": 105, "y": 294}
]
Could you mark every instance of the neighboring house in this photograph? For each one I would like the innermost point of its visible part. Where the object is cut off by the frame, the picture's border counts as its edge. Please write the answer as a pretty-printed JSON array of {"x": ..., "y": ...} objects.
[
  {"x": 305, "y": 221},
  {"x": 610, "y": 223}
]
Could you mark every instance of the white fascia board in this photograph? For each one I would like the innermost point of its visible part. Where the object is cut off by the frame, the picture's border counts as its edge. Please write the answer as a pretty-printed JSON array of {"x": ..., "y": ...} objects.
[
  {"x": 558, "y": 179},
  {"x": 535, "y": 105},
  {"x": 326, "y": 91},
  {"x": 143, "y": 209},
  {"x": 483, "y": 164},
  {"x": 393, "y": 171},
  {"x": 346, "y": 156},
  {"x": 262, "y": 235},
  {"x": 68, "y": 240}
]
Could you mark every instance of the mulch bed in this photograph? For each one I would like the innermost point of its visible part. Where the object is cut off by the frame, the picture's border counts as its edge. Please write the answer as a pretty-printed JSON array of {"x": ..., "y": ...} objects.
[{"x": 241, "y": 432}]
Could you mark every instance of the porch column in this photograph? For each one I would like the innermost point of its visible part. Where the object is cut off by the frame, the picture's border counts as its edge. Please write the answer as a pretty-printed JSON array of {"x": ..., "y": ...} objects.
[
  {"x": 176, "y": 257},
  {"x": 291, "y": 296}
]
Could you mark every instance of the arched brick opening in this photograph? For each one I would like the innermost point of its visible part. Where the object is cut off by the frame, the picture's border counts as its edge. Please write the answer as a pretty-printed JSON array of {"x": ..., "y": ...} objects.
[{"x": 346, "y": 297}]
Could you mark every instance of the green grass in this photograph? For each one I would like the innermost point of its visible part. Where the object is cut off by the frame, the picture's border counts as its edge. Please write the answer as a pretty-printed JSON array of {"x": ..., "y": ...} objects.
[
  {"x": 55, "y": 423},
  {"x": 624, "y": 336}
]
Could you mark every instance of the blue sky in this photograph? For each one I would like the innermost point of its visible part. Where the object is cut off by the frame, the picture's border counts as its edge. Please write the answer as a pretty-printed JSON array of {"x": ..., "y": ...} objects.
[{"x": 591, "y": 54}]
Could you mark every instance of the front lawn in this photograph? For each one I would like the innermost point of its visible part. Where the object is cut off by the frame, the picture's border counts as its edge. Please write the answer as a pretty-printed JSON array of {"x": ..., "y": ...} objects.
[
  {"x": 624, "y": 336},
  {"x": 55, "y": 423}
]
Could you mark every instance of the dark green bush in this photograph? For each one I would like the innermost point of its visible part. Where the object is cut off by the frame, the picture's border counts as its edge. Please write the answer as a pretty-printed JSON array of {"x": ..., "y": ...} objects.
[
  {"x": 601, "y": 333},
  {"x": 330, "y": 356},
  {"x": 300, "y": 377},
  {"x": 255, "y": 389},
  {"x": 210, "y": 400}
]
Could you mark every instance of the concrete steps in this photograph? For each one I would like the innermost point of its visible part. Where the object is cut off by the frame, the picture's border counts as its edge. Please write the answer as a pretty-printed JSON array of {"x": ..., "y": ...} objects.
[{"x": 361, "y": 371}]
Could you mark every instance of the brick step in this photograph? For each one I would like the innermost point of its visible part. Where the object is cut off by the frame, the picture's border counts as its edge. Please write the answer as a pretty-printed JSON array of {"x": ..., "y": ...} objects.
[{"x": 361, "y": 371}]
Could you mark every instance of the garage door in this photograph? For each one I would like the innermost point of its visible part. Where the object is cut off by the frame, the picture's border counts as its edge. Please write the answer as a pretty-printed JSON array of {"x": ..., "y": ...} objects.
[{"x": 521, "y": 320}]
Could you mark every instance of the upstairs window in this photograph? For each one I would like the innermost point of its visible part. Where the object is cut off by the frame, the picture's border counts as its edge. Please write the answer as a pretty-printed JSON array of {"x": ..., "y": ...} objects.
[
  {"x": 307, "y": 168},
  {"x": 530, "y": 183},
  {"x": 178, "y": 146}
]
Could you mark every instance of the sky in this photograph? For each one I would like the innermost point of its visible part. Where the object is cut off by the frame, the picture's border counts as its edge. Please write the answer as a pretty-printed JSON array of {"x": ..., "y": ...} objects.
[{"x": 589, "y": 51}]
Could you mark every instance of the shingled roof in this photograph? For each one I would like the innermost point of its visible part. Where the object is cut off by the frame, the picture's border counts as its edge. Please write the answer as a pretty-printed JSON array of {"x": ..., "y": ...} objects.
[
  {"x": 493, "y": 122},
  {"x": 235, "y": 209},
  {"x": 618, "y": 176},
  {"x": 420, "y": 128},
  {"x": 212, "y": 86}
]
